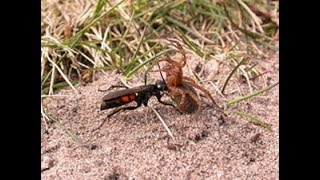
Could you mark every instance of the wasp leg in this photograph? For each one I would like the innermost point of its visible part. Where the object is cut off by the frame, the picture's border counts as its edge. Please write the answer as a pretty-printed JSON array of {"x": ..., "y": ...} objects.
[
  {"x": 122, "y": 109},
  {"x": 167, "y": 103},
  {"x": 114, "y": 112}
]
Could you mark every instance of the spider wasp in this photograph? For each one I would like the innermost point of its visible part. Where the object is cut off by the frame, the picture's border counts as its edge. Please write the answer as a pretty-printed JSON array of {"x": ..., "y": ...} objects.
[{"x": 139, "y": 94}]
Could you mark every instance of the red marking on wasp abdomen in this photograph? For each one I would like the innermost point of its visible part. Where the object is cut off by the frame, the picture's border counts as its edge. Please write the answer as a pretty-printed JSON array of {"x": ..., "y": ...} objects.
[
  {"x": 126, "y": 99},
  {"x": 132, "y": 97}
]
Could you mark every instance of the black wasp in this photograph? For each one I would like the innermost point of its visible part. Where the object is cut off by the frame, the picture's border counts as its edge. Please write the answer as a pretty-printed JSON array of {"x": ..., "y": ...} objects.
[{"x": 140, "y": 94}]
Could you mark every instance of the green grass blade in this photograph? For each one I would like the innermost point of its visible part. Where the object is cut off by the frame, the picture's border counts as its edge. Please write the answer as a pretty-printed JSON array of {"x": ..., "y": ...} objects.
[
  {"x": 178, "y": 23},
  {"x": 125, "y": 34},
  {"x": 191, "y": 45},
  {"x": 230, "y": 75},
  {"x": 251, "y": 95},
  {"x": 135, "y": 70},
  {"x": 66, "y": 130},
  {"x": 73, "y": 40},
  {"x": 130, "y": 64},
  {"x": 253, "y": 119},
  {"x": 99, "y": 7},
  {"x": 58, "y": 86}
]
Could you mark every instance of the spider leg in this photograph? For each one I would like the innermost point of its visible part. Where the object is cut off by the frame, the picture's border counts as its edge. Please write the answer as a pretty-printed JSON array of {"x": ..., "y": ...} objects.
[
  {"x": 167, "y": 68},
  {"x": 194, "y": 84},
  {"x": 195, "y": 97},
  {"x": 182, "y": 60},
  {"x": 172, "y": 62},
  {"x": 175, "y": 91}
]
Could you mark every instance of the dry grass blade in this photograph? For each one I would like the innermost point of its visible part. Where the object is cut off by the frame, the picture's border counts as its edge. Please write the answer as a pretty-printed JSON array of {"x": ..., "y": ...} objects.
[
  {"x": 97, "y": 16},
  {"x": 253, "y": 35},
  {"x": 63, "y": 75},
  {"x": 68, "y": 46},
  {"x": 163, "y": 123},
  {"x": 216, "y": 88},
  {"x": 246, "y": 76},
  {"x": 252, "y": 14},
  {"x": 45, "y": 117}
]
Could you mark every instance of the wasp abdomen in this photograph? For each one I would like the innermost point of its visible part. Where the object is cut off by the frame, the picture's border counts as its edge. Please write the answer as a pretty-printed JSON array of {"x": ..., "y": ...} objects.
[
  {"x": 116, "y": 102},
  {"x": 128, "y": 98}
]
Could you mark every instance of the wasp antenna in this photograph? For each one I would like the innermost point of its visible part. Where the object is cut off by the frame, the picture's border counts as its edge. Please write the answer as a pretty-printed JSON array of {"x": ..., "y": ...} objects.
[
  {"x": 146, "y": 73},
  {"x": 145, "y": 77},
  {"x": 161, "y": 74}
]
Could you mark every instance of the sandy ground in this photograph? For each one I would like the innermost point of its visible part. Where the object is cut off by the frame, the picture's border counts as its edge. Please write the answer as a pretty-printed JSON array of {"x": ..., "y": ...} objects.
[{"x": 135, "y": 145}]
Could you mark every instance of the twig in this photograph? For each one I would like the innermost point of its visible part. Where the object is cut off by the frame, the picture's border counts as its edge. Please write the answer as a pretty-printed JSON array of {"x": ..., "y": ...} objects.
[{"x": 163, "y": 123}]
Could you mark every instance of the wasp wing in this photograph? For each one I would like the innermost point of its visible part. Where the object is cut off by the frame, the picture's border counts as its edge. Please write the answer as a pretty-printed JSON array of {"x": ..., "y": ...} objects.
[{"x": 124, "y": 92}]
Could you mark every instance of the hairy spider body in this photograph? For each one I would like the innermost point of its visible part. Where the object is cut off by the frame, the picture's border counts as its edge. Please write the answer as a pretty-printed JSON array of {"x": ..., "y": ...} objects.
[
  {"x": 180, "y": 87},
  {"x": 191, "y": 102}
]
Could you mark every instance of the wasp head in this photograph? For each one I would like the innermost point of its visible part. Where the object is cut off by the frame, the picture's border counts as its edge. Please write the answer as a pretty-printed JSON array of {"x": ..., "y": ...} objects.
[{"x": 161, "y": 85}]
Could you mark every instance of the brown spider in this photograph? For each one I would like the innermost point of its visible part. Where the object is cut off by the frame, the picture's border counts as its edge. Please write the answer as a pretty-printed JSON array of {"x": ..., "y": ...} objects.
[{"x": 180, "y": 87}]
